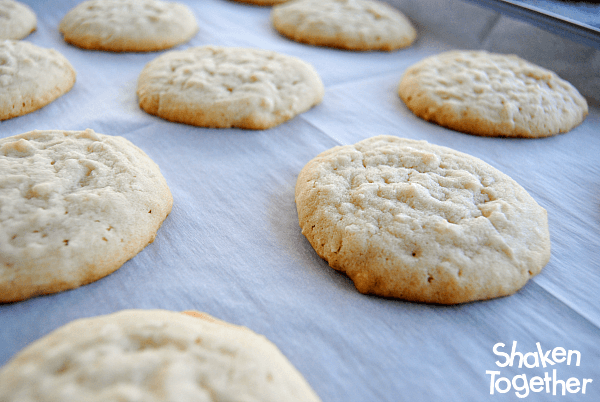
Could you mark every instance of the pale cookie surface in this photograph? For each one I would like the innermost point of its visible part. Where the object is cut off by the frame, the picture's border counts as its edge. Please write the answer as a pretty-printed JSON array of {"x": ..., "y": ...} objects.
[
  {"x": 128, "y": 25},
  {"x": 262, "y": 2},
  {"x": 421, "y": 222},
  {"x": 17, "y": 20},
  {"x": 152, "y": 356},
  {"x": 31, "y": 77},
  {"x": 345, "y": 24},
  {"x": 489, "y": 94},
  {"x": 74, "y": 206},
  {"x": 225, "y": 87}
]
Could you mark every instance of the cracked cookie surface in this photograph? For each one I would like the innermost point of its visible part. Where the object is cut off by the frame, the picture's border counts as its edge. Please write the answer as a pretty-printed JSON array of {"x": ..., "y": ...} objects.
[
  {"x": 74, "y": 206},
  {"x": 17, "y": 20},
  {"x": 489, "y": 94},
  {"x": 153, "y": 356},
  {"x": 224, "y": 87},
  {"x": 128, "y": 25},
  {"x": 31, "y": 77},
  {"x": 346, "y": 24},
  {"x": 421, "y": 222}
]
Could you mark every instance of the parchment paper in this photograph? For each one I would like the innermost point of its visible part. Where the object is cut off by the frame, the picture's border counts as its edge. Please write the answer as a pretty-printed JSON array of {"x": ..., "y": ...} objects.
[{"x": 232, "y": 246}]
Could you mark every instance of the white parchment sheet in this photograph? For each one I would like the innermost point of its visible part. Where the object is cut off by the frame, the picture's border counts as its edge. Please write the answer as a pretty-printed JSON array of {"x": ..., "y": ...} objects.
[{"x": 232, "y": 246}]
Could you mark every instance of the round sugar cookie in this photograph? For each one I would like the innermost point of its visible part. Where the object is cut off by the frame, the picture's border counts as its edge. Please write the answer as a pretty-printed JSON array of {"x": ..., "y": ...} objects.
[
  {"x": 344, "y": 24},
  {"x": 74, "y": 206},
  {"x": 421, "y": 222},
  {"x": 128, "y": 25},
  {"x": 223, "y": 87},
  {"x": 490, "y": 94},
  {"x": 31, "y": 77},
  {"x": 152, "y": 356},
  {"x": 262, "y": 2},
  {"x": 17, "y": 20}
]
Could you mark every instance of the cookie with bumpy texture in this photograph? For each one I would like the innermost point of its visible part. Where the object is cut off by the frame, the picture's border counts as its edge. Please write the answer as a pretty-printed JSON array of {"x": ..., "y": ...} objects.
[
  {"x": 17, "y": 20},
  {"x": 344, "y": 24},
  {"x": 421, "y": 222},
  {"x": 223, "y": 87},
  {"x": 262, "y": 2},
  {"x": 490, "y": 94},
  {"x": 31, "y": 77},
  {"x": 128, "y": 25},
  {"x": 74, "y": 206},
  {"x": 152, "y": 356}
]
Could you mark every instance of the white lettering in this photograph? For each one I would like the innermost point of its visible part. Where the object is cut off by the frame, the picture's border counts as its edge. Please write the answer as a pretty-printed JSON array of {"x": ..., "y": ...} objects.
[
  {"x": 493, "y": 374},
  {"x": 558, "y": 354},
  {"x": 524, "y": 387},
  {"x": 535, "y": 360},
  {"x": 571, "y": 352},
  {"x": 495, "y": 349},
  {"x": 573, "y": 382},
  {"x": 555, "y": 383},
  {"x": 535, "y": 382},
  {"x": 513, "y": 353},
  {"x": 544, "y": 357},
  {"x": 503, "y": 391},
  {"x": 547, "y": 381},
  {"x": 585, "y": 382}
]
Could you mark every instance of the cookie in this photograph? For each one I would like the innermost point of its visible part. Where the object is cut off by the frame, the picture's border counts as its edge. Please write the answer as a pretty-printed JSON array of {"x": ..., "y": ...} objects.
[
  {"x": 489, "y": 94},
  {"x": 223, "y": 87},
  {"x": 262, "y": 2},
  {"x": 152, "y": 355},
  {"x": 17, "y": 20},
  {"x": 128, "y": 25},
  {"x": 344, "y": 24},
  {"x": 421, "y": 222},
  {"x": 31, "y": 77},
  {"x": 74, "y": 206}
]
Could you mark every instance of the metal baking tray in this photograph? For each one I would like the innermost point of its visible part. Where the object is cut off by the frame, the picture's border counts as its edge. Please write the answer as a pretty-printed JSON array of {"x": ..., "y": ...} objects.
[{"x": 578, "y": 21}]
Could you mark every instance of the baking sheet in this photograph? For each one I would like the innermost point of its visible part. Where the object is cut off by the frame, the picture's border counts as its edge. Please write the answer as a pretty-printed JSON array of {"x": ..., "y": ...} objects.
[
  {"x": 232, "y": 246},
  {"x": 577, "y": 20},
  {"x": 585, "y": 13}
]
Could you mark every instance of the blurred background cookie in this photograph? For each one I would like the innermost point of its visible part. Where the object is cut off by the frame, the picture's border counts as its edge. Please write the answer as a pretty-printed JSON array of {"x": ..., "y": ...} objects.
[
  {"x": 75, "y": 206},
  {"x": 262, "y": 2},
  {"x": 153, "y": 355},
  {"x": 490, "y": 94},
  {"x": 17, "y": 20},
  {"x": 31, "y": 77},
  {"x": 128, "y": 25},
  {"x": 421, "y": 222},
  {"x": 214, "y": 86},
  {"x": 344, "y": 24}
]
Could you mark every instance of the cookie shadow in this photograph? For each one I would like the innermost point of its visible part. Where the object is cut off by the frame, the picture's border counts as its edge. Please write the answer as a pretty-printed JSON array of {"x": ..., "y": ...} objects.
[{"x": 282, "y": 220}]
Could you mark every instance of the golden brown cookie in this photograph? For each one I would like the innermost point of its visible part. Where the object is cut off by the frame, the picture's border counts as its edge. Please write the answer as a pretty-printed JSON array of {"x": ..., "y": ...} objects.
[
  {"x": 31, "y": 77},
  {"x": 128, "y": 25},
  {"x": 489, "y": 94},
  {"x": 75, "y": 205},
  {"x": 152, "y": 356},
  {"x": 17, "y": 20},
  {"x": 262, "y": 2},
  {"x": 421, "y": 222},
  {"x": 223, "y": 87},
  {"x": 344, "y": 24}
]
